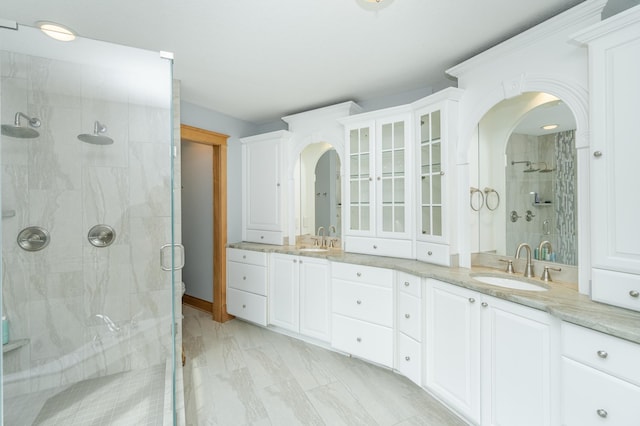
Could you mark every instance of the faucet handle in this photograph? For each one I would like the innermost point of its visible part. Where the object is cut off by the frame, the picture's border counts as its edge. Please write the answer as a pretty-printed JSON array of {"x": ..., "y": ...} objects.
[
  {"x": 509, "y": 269},
  {"x": 546, "y": 276},
  {"x": 315, "y": 241}
]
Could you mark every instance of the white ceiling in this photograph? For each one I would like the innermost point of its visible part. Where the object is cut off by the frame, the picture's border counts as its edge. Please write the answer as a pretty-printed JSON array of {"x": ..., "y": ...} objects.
[{"x": 259, "y": 60}]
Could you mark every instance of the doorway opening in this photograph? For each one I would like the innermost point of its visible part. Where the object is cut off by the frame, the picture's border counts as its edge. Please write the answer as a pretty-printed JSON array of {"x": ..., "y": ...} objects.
[{"x": 218, "y": 216}]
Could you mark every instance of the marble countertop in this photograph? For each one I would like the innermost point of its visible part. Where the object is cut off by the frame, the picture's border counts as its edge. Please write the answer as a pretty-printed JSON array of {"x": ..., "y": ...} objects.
[{"x": 562, "y": 300}]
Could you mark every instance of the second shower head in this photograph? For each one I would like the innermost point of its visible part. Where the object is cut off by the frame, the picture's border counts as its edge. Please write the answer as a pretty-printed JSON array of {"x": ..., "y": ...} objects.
[{"x": 97, "y": 138}]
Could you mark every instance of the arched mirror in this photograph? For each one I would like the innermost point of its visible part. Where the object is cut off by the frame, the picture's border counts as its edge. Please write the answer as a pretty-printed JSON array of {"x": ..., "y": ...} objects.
[
  {"x": 319, "y": 191},
  {"x": 524, "y": 189}
]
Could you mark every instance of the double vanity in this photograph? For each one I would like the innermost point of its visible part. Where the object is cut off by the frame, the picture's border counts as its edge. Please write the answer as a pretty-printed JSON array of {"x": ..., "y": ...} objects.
[{"x": 416, "y": 282}]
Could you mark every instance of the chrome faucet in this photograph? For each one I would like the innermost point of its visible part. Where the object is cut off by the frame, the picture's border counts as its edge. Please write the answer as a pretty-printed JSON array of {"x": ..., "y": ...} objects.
[
  {"x": 528, "y": 269},
  {"x": 334, "y": 240},
  {"x": 323, "y": 241},
  {"x": 542, "y": 244}
]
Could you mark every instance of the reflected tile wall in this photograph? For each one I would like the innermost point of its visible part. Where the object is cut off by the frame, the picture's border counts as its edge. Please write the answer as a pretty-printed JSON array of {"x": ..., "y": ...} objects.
[{"x": 87, "y": 311}]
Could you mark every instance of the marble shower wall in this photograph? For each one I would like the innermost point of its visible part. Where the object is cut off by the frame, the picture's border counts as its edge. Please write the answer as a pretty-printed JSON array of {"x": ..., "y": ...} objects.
[
  {"x": 53, "y": 297},
  {"x": 554, "y": 215}
]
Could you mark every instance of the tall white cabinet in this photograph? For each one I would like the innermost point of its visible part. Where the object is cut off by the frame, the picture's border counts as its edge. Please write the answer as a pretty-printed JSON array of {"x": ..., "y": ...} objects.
[
  {"x": 378, "y": 185},
  {"x": 614, "y": 49},
  {"x": 264, "y": 159},
  {"x": 436, "y": 120}
]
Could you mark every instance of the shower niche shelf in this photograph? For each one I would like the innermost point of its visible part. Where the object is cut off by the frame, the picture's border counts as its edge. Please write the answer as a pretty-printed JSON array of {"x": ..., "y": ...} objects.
[
  {"x": 14, "y": 344},
  {"x": 541, "y": 204}
]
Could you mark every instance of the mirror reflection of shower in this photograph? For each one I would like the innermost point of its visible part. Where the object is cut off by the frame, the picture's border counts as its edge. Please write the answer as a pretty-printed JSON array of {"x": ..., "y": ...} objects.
[
  {"x": 16, "y": 130},
  {"x": 97, "y": 138}
]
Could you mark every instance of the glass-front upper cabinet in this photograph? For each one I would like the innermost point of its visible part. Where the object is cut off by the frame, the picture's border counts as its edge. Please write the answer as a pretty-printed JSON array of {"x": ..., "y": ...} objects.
[
  {"x": 379, "y": 187},
  {"x": 431, "y": 173},
  {"x": 360, "y": 179},
  {"x": 436, "y": 123}
]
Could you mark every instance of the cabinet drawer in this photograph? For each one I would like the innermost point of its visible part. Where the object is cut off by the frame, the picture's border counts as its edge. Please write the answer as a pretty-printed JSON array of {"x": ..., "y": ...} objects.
[
  {"x": 607, "y": 353},
  {"x": 265, "y": 237},
  {"x": 433, "y": 253},
  {"x": 409, "y": 284},
  {"x": 409, "y": 359},
  {"x": 362, "y": 339},
  {"x": 379, "y": 246},
  {"x": 247, "y": 256},
  {"x": 362, "y": 274},
  {"x": 590, "y": 397},
  {"x": 248, "y": 306},
  {"x": 245, "y": 277},
  {"x": 362, "y": 301},
  {"x": 409, "y": 316},
  {"x": 616, "y": 288}
]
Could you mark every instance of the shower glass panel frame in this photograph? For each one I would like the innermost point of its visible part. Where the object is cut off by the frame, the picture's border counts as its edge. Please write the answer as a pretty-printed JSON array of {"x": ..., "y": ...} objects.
[{"x": 93, "y": 328}]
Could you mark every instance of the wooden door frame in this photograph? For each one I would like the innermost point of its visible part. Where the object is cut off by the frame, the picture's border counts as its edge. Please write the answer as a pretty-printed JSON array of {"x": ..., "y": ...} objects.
[{"x": 218, "y": 142}]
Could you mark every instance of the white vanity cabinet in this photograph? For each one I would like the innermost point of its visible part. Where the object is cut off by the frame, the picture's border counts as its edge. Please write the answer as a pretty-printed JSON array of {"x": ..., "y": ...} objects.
[
  {"x": 436, "y": 120},
  {"x": 409, "y": 326},
  {"x": 247, "y": 285},
  {"x": 378, "y": 186},
  {"x": 263, "y": 187},
  {"x": 362, "y": 317},
  {"x": 490, "y": 359},
  {"x": 614, "y": 49},
  {"x": 299, "y": 295},
  {"x": 600, "y": 378}
]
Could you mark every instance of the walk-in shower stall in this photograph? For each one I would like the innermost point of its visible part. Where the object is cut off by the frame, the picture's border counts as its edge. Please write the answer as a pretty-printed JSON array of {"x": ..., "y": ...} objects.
[{"x": 88, "y": 257}]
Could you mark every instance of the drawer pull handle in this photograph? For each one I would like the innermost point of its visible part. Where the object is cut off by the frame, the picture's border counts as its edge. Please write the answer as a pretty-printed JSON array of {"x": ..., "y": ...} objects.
[
  {"x": 603, "y": 354},
  {"x": 359, "y": 302},
  {"x": 472, "y": 300},
  {"x": 407, "y": 358},
  {"x": 244, "y": 278},
  {"x": 295, "y": 260},
  {"x": 244, "y": 256},
  {"x": 375, "y": 246},
  {"x": 602, "y": 412},
  {"x": 484, "y": 304},
  {"x": 358, "y": 339},
  {"x": 406, "y": 283},
  {"x": 359, "y": 274},
  {"x": 597, "y": 154},
  {"x": 407, "y": 316},
  {"x": 244, "y": 306},
  {"x": 262, "y": 237},
  {"x": 634, "y": 293},
  {"x": 429, "y": 252}
]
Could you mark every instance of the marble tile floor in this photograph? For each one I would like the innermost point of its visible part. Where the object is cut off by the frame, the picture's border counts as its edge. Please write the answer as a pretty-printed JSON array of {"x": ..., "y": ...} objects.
[{"x": 237, "y": 373}]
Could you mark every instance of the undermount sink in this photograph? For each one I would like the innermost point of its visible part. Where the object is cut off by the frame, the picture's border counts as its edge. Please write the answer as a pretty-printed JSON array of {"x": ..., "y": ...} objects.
[
  {"x": 513, "y": 283},
  {"x": 313, "y": 249}
]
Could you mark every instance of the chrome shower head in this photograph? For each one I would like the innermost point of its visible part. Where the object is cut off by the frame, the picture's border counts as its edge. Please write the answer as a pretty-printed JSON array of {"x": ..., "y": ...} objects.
[
  {"x": 546, "y": 169},
  {"x": 15, "y": 130},
  {"x": 96, "y": 138}
]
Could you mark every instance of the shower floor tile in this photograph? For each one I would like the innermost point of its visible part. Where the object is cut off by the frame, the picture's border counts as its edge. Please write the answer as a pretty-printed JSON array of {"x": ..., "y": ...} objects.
[{"x": 123, "y": 399}]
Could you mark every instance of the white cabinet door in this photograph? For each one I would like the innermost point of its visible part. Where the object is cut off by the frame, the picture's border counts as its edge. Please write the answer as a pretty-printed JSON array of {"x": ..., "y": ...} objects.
[
  {"x": 359, "y": 193},
  {"x": 263, "y": 158},
  {"x": 315, "y": 298},
  {"x": 518, "y": 371},
  {"x": 453, "y": 347},
  {"x": 284, "y": 292}
]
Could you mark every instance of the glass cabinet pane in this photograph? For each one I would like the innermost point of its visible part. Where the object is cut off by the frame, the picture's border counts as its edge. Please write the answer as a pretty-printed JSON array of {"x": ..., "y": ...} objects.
[
  {"x": 387, "y": 138},
  {"x": 359, "y": 178},
  {"x": 398, "y": 163},
  {"x": 398, "y": 223},
  {"x": 354, "y": 141},
  {"x": 430, "y": 169},
  {"x": 398, "y": 135},
  {"x": 387, "y": 163}
]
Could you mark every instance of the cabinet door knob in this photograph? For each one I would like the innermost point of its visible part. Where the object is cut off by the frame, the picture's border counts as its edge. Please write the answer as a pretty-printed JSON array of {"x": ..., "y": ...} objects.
[
  {"x": 634, "y": 293},
  {"x": 295, "y": 260},
  {"x": 597, "y": 154},
  {"x": 358, "y": 274},
  {"x": 262, "y": 237},
  {"x": 484, "y": 304},
  {"x": 370, "y": 178},
  {"x": 429, "y": 252},
  {"x": 378, "y": 177},
  {"x": 602, "y": 412},
  {"x": 602, "y": 354},
  {"x": 278, "y": 184},
  {"x": 472, "y": 300},
  {"x": 407, "y": 358},
  {"x": 441, "y": 173},
  {"x": 244, "y": 278},
  {"x": 244, "y": 256},
  {"x": 359, "y": 302},
  {"x": 300, "y": 262},
  {"x": 406, "y": 284},
  {"x": 358, "y": 339},
  {"x": 244, "y": 306},
  {"x": 375, "y": 246},
  {"x": 407, "y": 316}
]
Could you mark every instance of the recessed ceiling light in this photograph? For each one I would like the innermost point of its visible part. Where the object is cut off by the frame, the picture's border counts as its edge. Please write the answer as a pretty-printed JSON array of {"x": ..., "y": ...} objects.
[
  {"x": 549, "y": 127},
  {"x": 56, "y": 31}
]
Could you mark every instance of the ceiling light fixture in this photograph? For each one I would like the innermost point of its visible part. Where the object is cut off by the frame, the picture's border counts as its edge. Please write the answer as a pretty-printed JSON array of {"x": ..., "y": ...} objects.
[
  {"x": 549, "y": 127},
  {"x": 374, "y": 5},
  {"x": 56, "y": 31}
]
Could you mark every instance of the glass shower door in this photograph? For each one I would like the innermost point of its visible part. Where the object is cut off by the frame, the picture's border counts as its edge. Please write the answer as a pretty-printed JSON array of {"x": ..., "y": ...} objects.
[{"x": 86, "y": 205}]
